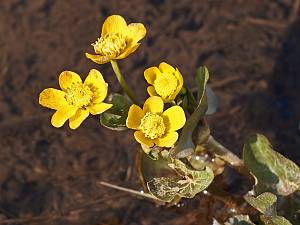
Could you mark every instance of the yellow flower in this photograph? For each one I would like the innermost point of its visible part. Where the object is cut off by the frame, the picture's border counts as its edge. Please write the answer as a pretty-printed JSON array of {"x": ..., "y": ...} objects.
[
  {"x": 165, "y": 80},
  {"x": 117, "y": 40},
  {"x": 76, "y": 100},
  {"x": 153, "y": 125}
]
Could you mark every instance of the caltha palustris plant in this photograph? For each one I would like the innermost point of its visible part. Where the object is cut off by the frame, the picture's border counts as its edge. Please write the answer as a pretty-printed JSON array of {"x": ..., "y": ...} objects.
[{"x": 171, "y": 128}]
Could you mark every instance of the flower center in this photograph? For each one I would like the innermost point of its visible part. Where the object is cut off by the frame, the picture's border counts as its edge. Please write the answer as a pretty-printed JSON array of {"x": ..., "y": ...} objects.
[
  {"x": 110, "y": 45},
  {"x": 165, "y": 85},
  {"x": 152, "y": 125},
  {"x": 79, "y": 95}
]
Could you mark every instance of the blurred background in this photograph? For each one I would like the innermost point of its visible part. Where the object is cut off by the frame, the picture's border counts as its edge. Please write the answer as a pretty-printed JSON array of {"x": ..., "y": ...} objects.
[{"x": 48, "y": 175}]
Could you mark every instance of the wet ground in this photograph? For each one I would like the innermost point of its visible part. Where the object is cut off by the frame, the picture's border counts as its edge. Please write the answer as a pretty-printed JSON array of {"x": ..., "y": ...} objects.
[{"x": 251, "y": 48}]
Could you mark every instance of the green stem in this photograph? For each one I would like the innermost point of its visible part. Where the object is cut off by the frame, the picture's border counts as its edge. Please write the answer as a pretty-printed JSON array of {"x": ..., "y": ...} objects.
[
  {"x": 224, "y": 153},
  {"x": 122, "y": 81},
  {"x": 228, "y": 156}
]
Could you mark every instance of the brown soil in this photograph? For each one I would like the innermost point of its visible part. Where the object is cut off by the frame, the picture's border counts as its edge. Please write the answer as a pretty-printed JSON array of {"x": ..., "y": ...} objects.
[{"x": 251, "y": 48}]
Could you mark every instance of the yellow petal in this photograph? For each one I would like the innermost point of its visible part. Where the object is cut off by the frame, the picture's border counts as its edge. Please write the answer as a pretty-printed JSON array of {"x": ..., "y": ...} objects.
[
  {"x": 167, "y": 140},
  {"x": 128, "y": 51},
  {"x": 151, "y": 73},
  {"x": 99, "y": 59},
  {"x": 166, "y": 68},
  {"x": 98, "y": 86},
  {"x": 94, "y": 77},
  {"x": 179, "y": 77},
  {"x": 136, "y": 32},
  {"x": 67, "y": 78},
  {"x": 135, "y": 115},
  {"x": 114, "y": 24},
  {"x": 53, "y": 98},
  {"x": 175, "y": 118},
  {"x": 140, "y": 138},
  {"x": 99, "y": 108},
  {"x": 78, "y": 118},
  {"x": 151, "y": 91},
  {"x": 154, "y": 104},
  {"x": 179, "y": 86},
  {"x": 62, "y": 115}
]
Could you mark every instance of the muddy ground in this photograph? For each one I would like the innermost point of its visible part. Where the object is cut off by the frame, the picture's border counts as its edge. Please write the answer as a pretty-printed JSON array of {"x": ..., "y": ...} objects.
[{"x": 251, "y": 48}]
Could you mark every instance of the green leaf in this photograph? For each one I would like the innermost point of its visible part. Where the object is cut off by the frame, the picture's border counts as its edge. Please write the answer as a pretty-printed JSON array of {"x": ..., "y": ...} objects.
[
  {"x": 164, "y": 188},
  {"x": 189, "y": 102},
  {"x": 200, "y": 181},
  {"x": 239, "y": 220},
  {"x": 185, "y": 146},
  {"x": 186, "y": 185},
  {"x": 275, "y": 220},
  {"x": 115, "y": 117},
  {"x": 274, "y": 172},
  {"x": 265, "y": 203},
  {"x": 202, "y": 76}
]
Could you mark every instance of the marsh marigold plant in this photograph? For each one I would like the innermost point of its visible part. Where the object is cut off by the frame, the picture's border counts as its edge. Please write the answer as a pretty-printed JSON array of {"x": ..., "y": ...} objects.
[{"x": 178, "y": 157}]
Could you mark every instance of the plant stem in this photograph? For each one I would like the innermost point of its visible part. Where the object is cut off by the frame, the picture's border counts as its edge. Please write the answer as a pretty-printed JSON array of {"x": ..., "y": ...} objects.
[
  {"x": 223, "y": 152},
  {"x": 122, "y": 81},
  {"x": 233, "y": 160}
]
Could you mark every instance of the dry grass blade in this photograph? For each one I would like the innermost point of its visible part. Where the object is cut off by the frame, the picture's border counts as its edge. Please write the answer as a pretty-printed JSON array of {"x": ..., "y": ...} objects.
[{"x": 131, "y": 191}]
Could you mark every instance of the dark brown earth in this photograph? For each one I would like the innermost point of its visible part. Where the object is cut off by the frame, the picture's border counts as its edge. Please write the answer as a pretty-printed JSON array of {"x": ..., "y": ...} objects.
[{"x": 251, "y": 48}]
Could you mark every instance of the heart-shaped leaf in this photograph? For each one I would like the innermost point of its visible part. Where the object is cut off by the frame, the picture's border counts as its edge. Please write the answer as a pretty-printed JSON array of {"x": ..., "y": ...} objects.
[
  {"x": 265, "y": 203},
  {"x": 274, "y": 172},
  {"x": 115, "y": 117},
  {"x": 187, "y": 184}
]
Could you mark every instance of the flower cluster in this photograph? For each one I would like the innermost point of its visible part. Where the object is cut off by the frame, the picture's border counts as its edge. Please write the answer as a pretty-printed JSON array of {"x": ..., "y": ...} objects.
[{"x": 77, "y": 99}]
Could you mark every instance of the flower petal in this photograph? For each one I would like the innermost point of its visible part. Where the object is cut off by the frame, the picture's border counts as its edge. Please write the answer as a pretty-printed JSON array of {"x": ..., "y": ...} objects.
[
  {"x": 151, "y": 91},
  {"x": 99, "y": 59},
  {"x": 52, "y": 98},
  {"x": 179, "y": 77},
  {"x": 179, "y": 86},
  {"x": 62, "y": 115},
  {"x": 166, "y": 68},
  {"x": 135, "y": 115},
  {"x": 175, "y": 118},
  {"x": 99, "y": 108},
  {"x": 153, "y": 104},
  {"x": 67, "y": 78},
  {"x": 78, "y": 118},
  {"x": 128, "y": 51},
  {"x": 97, "y": 84},
  {"x": 94, "y": 78},
  {"x": 168, "y": 140},
  {"x": 140, "y": 138},
  {"x": 114, "y": 24},
  {"x": 136, "y": 32},
  {"x": 151, "y": 73}
]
